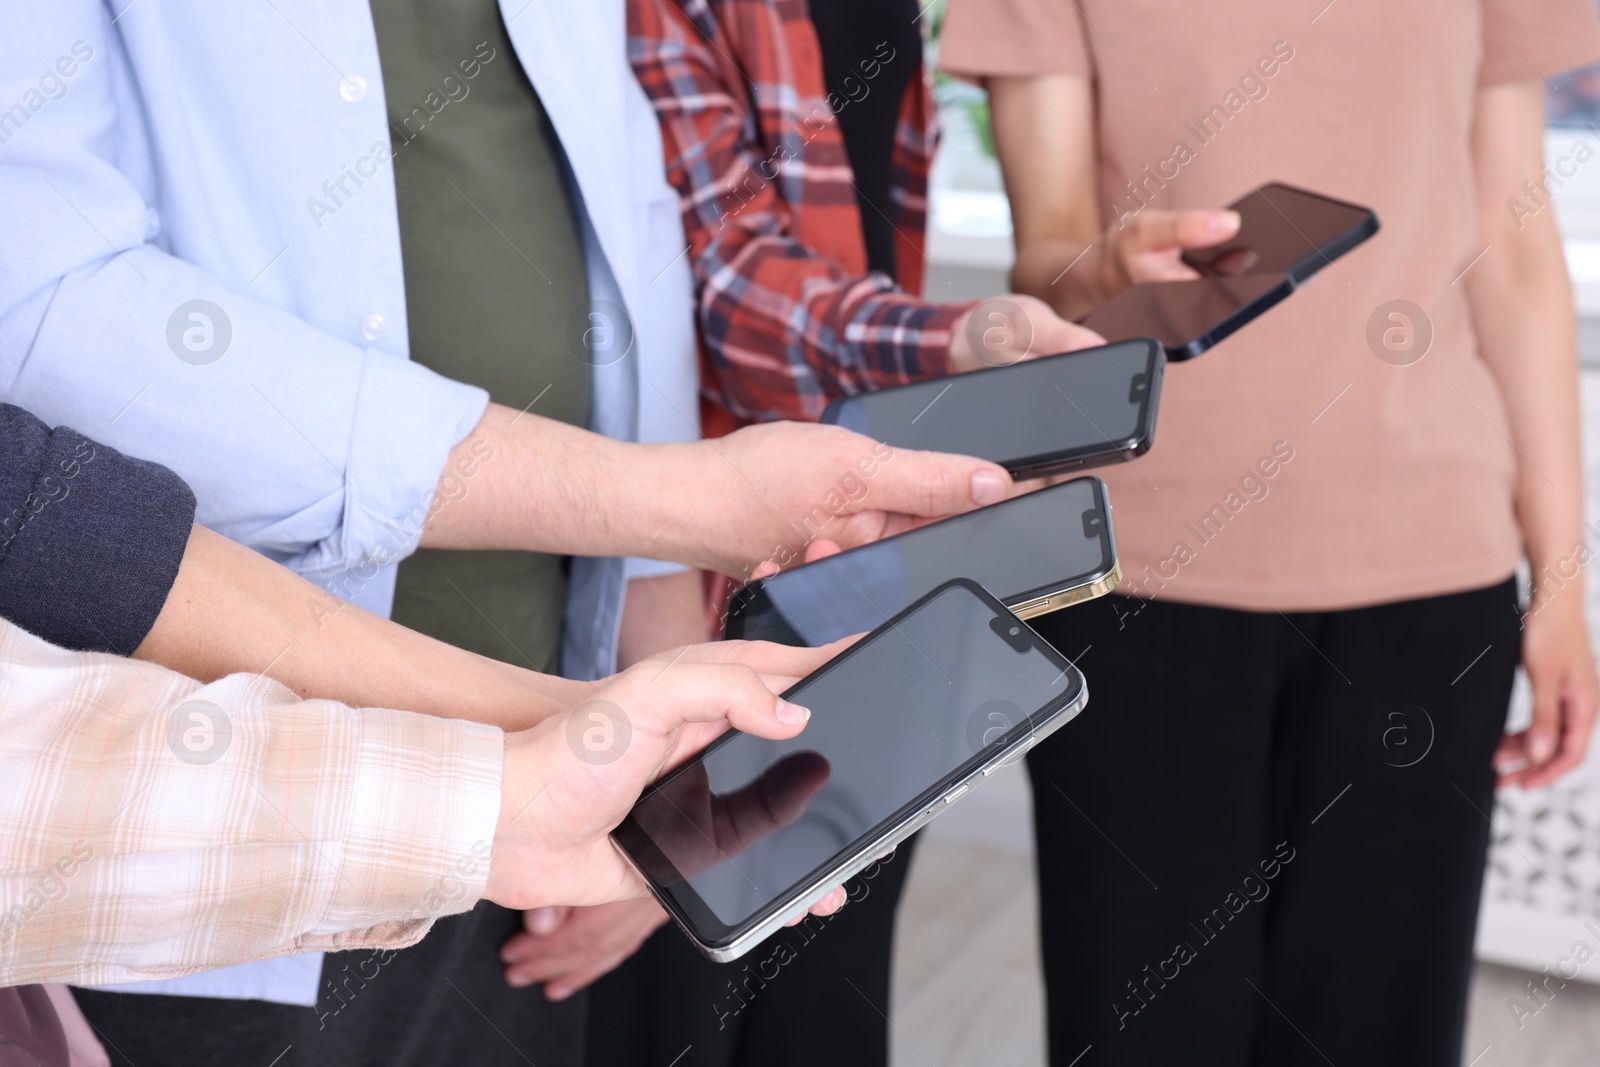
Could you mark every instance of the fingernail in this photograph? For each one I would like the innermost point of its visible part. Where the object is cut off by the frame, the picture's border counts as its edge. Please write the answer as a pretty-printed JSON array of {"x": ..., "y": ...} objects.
[
  {"x": 1225, "y": 222},
  {"x": 518, "y": 981},
  {"x": 792, "y": 714},
  {"x": 556, "y": 993},
  {"x": 988, "y": 488},
  {"x": 542, "y": 920},
  {"x": 1541, "y": 747}
]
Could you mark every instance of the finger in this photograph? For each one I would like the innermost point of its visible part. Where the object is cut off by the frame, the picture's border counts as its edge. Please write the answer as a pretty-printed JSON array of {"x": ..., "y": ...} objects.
[
  {"x": 828, "y": 905},
  {"x": 543, "y": 922},
  {"x": 568, "y": 984},
  {"x": 764, "y": 569},
  {"x": 1153, "y": 231},
  {"x": 537, "y": 969},
  {"x": 930, "y": 484},
  {"x": 821, "y": 548},
  {"x": 1057, "y": 336},
  {"x": 1153, "y": 267},
  {"x": 1513, "y": 748},
  {"x": 764, "y": 657},
  {"x": 831, "y": 903},
  {"x": 522, "y": 947},
  {"x": 1544, "y": 731},
  {"x": 1576, "y": 723},
  {"x": 713, "y": 693}
]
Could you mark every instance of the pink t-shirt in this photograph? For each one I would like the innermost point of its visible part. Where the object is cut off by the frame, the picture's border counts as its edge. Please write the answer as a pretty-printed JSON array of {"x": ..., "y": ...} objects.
[{"x": 1293, "y": 468}]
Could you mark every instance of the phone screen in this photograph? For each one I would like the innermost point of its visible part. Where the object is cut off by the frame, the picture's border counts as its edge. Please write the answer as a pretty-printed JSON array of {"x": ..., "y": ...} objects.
[
  {"x": 1091, "y": 405},
  {"x": 749, "y": 822},
  {"x": 1187, "y": 317},
  {"x": 1056, "y": 538},
  {"x": 1284, "y": 230}
]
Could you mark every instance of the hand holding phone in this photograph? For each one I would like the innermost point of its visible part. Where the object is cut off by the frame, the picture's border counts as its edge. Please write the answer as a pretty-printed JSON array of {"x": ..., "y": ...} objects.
[
  {"x": 568, "y": 781},
  {"x": 1285, "y": 235},
  {"x": 905, "y": 721},
  {"x": 1036, "y": 552},
  {"x": 1286, "y": 231}
]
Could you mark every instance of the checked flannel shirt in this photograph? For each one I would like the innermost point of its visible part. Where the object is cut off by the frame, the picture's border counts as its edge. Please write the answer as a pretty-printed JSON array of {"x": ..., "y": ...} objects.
[
  {"x": 139, "y": 841},
  {"x": 788, "y": 315}
]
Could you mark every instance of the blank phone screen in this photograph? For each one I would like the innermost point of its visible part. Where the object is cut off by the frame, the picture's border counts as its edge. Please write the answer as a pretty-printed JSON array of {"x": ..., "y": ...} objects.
[
  {"x": 1091, "y": 403},
  {"x": 751, "y": 821},
  {"x": 1179, "y": 313},
  {"x": 1284, "y": 230},
  {"x": 1054, "y": 538}
]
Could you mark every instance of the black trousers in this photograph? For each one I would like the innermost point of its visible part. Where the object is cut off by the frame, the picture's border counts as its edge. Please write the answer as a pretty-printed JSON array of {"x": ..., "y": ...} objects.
[
  {"x": 1263, "y": 842},
  {"x": 815, "y": 994},
  {"x": 439, "y": 1003}
]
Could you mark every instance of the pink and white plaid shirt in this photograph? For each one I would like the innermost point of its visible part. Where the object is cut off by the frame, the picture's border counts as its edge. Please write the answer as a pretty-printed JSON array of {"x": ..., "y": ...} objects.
[{"x": 151, "y": 826}]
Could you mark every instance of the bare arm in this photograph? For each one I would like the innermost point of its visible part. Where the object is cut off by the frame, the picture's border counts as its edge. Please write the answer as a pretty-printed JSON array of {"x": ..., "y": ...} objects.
[
  {"x": 1044, "y": 136},
  {"x": 1522, "y": 307},
  {"x": 725, "y": 505},
  {"x": 233, "y": 611}
]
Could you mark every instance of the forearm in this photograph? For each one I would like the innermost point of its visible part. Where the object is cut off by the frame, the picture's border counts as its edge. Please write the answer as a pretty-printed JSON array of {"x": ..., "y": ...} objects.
[
  {"x": 537, "y": 485},
  {"x": 1522, "y": 309},
  {"x": 1526, "y": 334},
  {"x": 726, "y": 505},
  {"x": 1043, "y": 132},
  {"x": 232, "y": 611},
  {"x": 660, "y": 613}
]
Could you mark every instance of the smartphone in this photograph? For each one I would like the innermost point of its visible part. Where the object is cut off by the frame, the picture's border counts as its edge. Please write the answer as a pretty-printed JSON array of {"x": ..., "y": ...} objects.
[
  {"x": 1286, "y": 231},
  {"x": 1190, "y": 316},
  {"x": 1037, "y": 553},
  {"x": 750, "y": 833},
  {"x": 1035, "y": 418}
]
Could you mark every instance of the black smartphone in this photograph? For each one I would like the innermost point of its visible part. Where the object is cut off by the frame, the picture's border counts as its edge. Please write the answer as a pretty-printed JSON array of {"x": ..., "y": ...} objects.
[
  {"x": 1037, "y": 553},
  {"x": 1035, "y": 418},
  {"x": 750, "y": 833},
  {"x": 1286, "y": 231},
  {"x": 1189, "y": 316}
]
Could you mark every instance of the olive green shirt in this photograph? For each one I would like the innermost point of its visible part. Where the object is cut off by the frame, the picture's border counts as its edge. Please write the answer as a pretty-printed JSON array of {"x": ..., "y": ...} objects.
[{"x": 494, "y": 273}]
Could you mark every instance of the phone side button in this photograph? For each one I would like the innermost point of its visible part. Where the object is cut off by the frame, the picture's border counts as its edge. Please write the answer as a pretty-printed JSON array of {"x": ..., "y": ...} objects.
[{"x": 955, "y": 794}]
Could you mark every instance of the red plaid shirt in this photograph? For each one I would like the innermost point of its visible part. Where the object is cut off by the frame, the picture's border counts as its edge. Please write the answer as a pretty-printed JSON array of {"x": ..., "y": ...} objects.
[{"x": 789, "y": 316}]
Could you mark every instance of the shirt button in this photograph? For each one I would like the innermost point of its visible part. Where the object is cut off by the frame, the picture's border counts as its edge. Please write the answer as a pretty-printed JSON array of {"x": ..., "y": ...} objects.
[
  {"x": 373, "y": 327},
  {"x": 353, "y": 88}
]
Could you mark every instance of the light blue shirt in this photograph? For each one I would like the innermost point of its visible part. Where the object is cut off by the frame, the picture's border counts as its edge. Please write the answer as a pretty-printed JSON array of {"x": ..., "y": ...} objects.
[{"x": 166, "y": 287}]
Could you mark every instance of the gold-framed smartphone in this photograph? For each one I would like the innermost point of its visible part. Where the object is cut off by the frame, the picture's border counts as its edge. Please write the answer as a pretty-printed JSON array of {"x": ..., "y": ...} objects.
[{"x": 1037, "y": 553}]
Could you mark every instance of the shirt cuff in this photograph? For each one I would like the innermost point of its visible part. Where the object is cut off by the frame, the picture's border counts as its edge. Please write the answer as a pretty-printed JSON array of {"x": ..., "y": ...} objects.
[
  {"x": 421, "y": 822},
  {"x": 407, "y": 420}
]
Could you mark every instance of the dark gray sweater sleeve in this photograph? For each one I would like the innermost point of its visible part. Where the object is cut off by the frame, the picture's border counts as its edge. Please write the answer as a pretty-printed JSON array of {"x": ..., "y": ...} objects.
[{"x": 90, "y": 539}]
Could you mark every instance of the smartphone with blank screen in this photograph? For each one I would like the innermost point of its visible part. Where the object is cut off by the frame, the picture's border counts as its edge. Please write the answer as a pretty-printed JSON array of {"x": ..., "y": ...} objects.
[
  {"x": 1190, "y": 316},
  {"x": 1286, "y": 231},
  {"x": 1037, "y": 553},
  {"x": 1035, "y": 418},
  {"x": 749, "y": 833}
]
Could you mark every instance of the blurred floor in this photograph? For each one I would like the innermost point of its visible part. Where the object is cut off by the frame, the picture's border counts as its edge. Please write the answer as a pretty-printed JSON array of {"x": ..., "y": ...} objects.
[{"x": 967, "y": 988}]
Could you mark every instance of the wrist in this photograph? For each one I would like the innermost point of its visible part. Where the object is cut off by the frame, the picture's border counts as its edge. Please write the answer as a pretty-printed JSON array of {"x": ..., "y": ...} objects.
[
  {"x": 1556, "y": 584},
  {"x": 518, "y": 861},
  {"x": 692, "y": 500},
  {"x": 1064, "y": 274}
]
